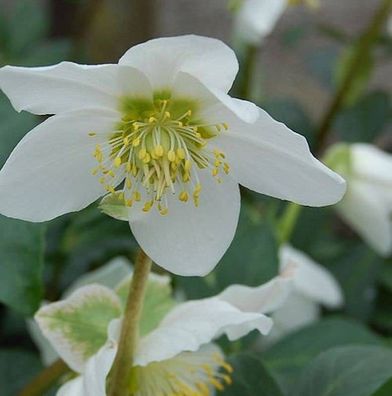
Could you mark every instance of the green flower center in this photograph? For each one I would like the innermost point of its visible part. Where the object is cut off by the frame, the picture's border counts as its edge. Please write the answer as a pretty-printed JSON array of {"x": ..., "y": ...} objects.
[{"x": 158, "y": 146}]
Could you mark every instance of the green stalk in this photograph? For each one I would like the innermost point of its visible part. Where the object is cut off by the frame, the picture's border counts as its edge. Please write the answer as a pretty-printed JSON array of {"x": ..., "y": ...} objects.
[
  {"x": 45, "y": 379},
  {"x": 363, "y": 49},
  {"x": 121, "y": 373}
]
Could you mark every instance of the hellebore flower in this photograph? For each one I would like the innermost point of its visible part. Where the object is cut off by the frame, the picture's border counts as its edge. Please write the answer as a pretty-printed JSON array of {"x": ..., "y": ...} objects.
[
  {"x": 159, "y": 133},
  {"x": 367, "y": 206},
  {"x": 174, "y": 355},
  {"x": 313, "y": 286},
  {"x": 256, "y": 19}
]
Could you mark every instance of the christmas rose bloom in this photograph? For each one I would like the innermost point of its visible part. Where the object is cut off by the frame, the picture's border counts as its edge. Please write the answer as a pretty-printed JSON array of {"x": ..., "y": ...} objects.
[
  {"x": 174, "y": 355},
  {"x": 367, "y": 206},
  {"x": 256, "y": 19},
  {"x": 159, "y": 134},
  {"x": 313, "y": 286}
]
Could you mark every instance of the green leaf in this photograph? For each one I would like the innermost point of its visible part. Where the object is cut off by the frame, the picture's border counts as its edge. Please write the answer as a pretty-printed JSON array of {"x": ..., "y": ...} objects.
[
  {"x": 252, "y": 258},
  {"x": 363, "y": 73},
  {"x": 250, "y": 378},
  {"x": 13, "y": 126},
  {"x": 385, "y": 390},
  {"x": 157, "y": 303},
  {"x": 365, "y": 120},
  {"x": 21, "y": 258},
  {"x": 77, "y": 326},
  {"x": 114, "y": 207},
  {"x": 17, "y": 368},
  {"x": 287, "y": 358},
  {"x": 346, "y": 371}
]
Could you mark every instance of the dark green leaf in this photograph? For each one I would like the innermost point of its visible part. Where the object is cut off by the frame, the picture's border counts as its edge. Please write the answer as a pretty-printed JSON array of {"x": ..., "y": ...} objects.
[
  {"x": 21, "y": 258},
  {"x": 250, "y": 378},
  {"x": 346, "y": 371},
  {"x": 385, "y": 390},
  {"x": 17, "y": 367},
  {"x": 286, "y": 359}
]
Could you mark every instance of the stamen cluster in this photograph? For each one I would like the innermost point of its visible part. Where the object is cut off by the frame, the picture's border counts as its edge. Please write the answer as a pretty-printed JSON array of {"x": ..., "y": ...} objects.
[{"x": 158, "y": 145}]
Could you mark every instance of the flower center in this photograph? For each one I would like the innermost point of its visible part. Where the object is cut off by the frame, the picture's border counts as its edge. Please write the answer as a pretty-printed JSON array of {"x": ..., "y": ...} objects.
[
  {"x": 159, "y": 146},
  {"x": 188, "y": 374}
]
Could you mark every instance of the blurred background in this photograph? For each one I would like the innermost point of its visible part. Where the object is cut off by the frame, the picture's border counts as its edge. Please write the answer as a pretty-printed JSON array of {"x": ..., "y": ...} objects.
[{"x": 295, "y": 76}]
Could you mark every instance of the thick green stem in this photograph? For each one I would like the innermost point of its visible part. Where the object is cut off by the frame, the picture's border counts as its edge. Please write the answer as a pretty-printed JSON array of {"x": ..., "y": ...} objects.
[
  {"x": 248, "y": 66},
  {"x": 365, "y": 44},
  {"x": 45, "y": 379},
  {"x": 288, "y": 221},
  {"x": 121, "y": 373}
]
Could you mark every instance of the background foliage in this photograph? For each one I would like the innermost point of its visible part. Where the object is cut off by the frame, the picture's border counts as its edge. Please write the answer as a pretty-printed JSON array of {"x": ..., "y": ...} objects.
[{"x": 346, "y": 353}]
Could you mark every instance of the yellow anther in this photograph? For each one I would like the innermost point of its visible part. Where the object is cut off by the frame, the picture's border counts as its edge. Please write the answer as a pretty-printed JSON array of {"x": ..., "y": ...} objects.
[
  {"x": 186, "y": 177},
  {"x": 217, "y": 163},
  {"x": 197, "y": 188},
  {"x": 95, "y": 171},
  {"x": 226, "y": 126},
  {"x": 158, "y": 150},
  {"x": 136, "y": 126},
  {"x": 215, "y": 171},
  {"x": 126, "y": 141},
  {"x": 137, "y": 196},
  {"x": 167, "y": 114},
  {"x": 147, "y": 206},
  {"x": 102, "y": 180},
  {"x": 187, "y": 165},
  {"x": 189, "y": 113},
  {"x": 218, "y": 127},
  {"x": 171, "y": 156},
  {"x": 216, "y": 384},
  {"x": 121, "y": 196},
  {"x": 180, "y": 124},
  {"x": 92, "y": 134},
  {"x": 183, "y": 196},
  {"x": 128, "y": 183},
  {"x": 226, "y": 168},
  {"x": 227, "y": 379},
  {"x": 111, "y": 189},
  {"x": 151, "y": 120},
  {"x": 129, "y": 203},
  {"x": 136, "y": 142},
  {"x": 147, "y": 158},
  {"x": 128, "y": 167},
  {"x": 142, "y": 153},
  {"x": 162, "y": 210},
  {"x": 111, "y": 173},
  {"x": 117, "y": 162},
  {"x": 181, "y": 153}
]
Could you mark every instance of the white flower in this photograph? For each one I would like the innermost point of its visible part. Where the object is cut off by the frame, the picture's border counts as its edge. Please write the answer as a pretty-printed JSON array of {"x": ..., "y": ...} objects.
[
  {"x": 256, "y": 19},
  {"x": 367, "y": 206},
  {"x": 174, "y": 355},
  {"x": 155, "y": 131},
  {"x": 313, "y": 286}
]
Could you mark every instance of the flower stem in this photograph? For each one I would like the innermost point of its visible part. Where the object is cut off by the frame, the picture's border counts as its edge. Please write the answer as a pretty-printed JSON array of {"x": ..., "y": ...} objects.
[
  {"x": 366, "y": 41},
  {"x": 247, "y": 72},
  {"x": 45, "y": 379},
  {"x": 120, "y": 376},
  {"x": 288, "y": 221}
]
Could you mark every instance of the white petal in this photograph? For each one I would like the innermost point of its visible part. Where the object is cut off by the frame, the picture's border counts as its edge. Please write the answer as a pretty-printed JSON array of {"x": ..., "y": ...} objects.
[
  {"x": 49, "y": 172},
  {"x": 257, "y": 18},
  {"x": 366, "y": 212},
  {"x": 265, "y": 298},
  {"x": 207, "y": 59},
  {"x": 269, "y": 158},
  {"x": 97, "y": 369},
  {"x": 195, "y": 323},
  {"x": 311, "y": 279},
  {"x": 69, "y": 86},
  {"x": 297, "y": 312},
  {"x": 372, "y": 164},
  {"x": 190, "y": 87},
  {"x": 188, "y": 240},
  {"x": 72, "y": 388},
  {"x": 47, "y": 352}
]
